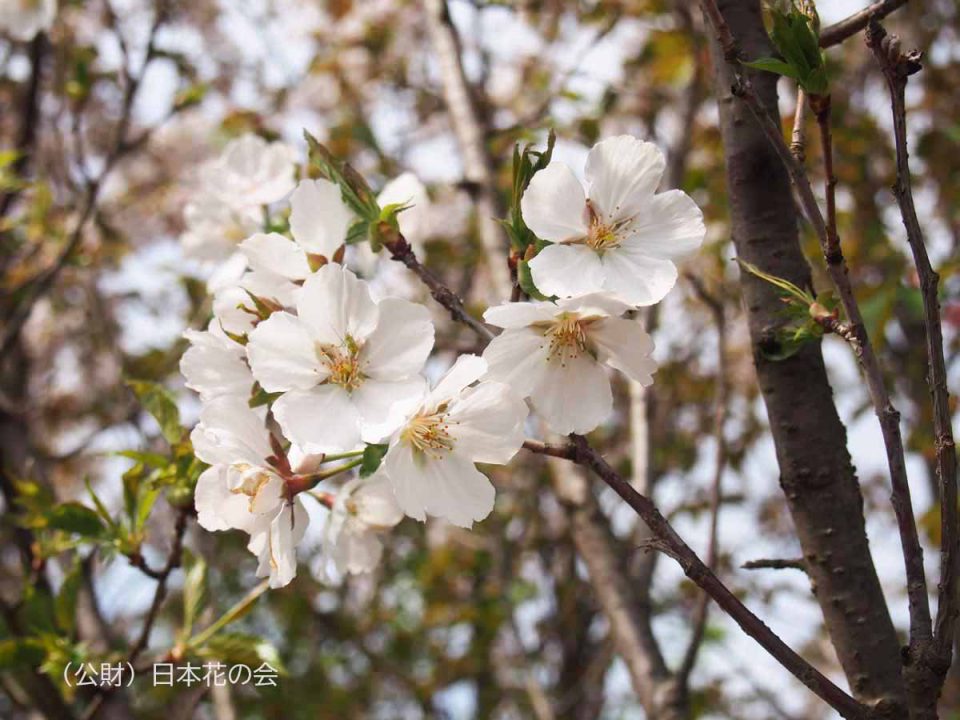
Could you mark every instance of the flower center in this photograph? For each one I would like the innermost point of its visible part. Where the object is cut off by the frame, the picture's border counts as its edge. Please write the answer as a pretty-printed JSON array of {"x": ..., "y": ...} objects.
[
  {"x": 602, "y": 236},
  {"x": 429, "y": 434},
  {"x": 343, "y": 364},
  {"x": 567, "y": 338},
  {"x": 252, "y": 481}
]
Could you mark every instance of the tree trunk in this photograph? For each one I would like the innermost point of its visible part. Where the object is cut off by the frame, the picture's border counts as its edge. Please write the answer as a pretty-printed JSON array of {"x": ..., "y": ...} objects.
[{"x": 816, "y": 473}]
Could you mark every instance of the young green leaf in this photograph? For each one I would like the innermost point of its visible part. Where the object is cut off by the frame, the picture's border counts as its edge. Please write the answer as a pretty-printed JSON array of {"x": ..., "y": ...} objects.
[{"x": 158, "y": 401}]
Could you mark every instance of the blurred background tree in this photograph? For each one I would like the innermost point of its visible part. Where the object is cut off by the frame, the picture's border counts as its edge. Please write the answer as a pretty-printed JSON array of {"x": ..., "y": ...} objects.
[{"x": 551, "y": 608}]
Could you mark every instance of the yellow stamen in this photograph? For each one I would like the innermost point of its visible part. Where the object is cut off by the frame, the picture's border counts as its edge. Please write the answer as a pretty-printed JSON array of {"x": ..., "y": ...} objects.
[
  {"x": 429, "y": 434},
  {"x": 567, "y": 338},
  {"x": 343, "y": 363}
]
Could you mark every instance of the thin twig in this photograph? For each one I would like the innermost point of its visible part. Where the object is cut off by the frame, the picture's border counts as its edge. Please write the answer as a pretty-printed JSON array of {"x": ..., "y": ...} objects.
[
  {"x": 889, "y": 418},
  {"x": 173, "y": 562},
  {"x": 401, "y": 251},
  {"x": 798, "y": 137},
  {"x": 776, "y": 564},
  {"x": 840, "y": 31},
  {"x": 897, "y": 67}
]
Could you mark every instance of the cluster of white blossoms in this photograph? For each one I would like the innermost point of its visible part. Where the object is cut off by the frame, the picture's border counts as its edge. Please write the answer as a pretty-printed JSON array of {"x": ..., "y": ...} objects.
[
  {"x": 23, "y": 19},
  {"x": 304, "y": 374},
  {"x": 611, "y": 249}
]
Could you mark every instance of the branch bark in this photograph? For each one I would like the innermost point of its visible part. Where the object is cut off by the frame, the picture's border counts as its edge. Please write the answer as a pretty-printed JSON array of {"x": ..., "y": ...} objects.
[
  {"x": 840, "y": 31},
  {"x": 817, "y": 476}
]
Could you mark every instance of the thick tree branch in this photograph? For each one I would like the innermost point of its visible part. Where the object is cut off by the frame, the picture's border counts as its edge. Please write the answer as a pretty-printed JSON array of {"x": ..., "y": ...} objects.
[
  {"x": 897, "y": 67},
  {"x": 840, "y": 31},
  {"x": 816, "y": 474},
  {"x": 889, "y": 418}
]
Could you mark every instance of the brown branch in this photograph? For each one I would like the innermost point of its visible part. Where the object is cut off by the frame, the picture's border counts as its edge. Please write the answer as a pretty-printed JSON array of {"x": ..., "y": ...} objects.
[
  {"x": 897, "y": 67},
  {"x": 665, "y": 538},
  {"x": 840, "y": 31},
  {"x": 889, "y": 418}
]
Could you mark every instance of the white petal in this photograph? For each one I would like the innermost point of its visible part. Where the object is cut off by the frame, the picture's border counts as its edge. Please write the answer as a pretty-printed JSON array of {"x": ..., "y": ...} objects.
[
  {"x": 467, "y": 369},
  {"x": 594, "y": 305},
  {"x": 670, "y": 226},
  {"x": 230, "y": 431},
  {"x": 286, "y": 531},
  {"x": 517, "y": 357},
  {"x": 213, "y": 365},
  {"x": 449, "y": 487},
  {"x": 383, "y": 405},
  {"x": 399, "y": 346},
  {"x": 554, "y": 206},
  {"x": 623, "y": 173},
  {"x": 275, "y": 253},
  {"x": 520, "y": 314},
  {"x": 282, "y": 354},
  {"x": 319, "y": 219},
  {"x": 567, "y": 270},
  {"x": 335, "y": 303},
  {"x": 625, "y": 345},
  {"x": 227, "y": 310},
  {"x": 375, "y": 502},
  {"x": 268, "y": 285},
  {"x": 636, "y": 278},
  {"x": 322, "y": 419},
  {"x": 217, "y": 507},
  {"x": 486, "y": 423},
  {"x": 573, "y": 397}
]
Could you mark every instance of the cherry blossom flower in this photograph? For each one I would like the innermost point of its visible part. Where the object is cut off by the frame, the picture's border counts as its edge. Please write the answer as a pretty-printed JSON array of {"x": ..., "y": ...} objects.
[
  {"x": 23, "y": 19},
  {"x": 363, "y": 510},
  {"x": 244, "y": 490},
  {"x": 346, "y": 365},
  {"x": 250, "y": 172},
  {"x": 622, "y": 236},
  {"x": 215, "y": 227},
  {"x": 215, "y": 365},
  {"x": 555, "y": 355},
  {"x": 430, "y": 462},
  {"x": 319, "y": 218}
]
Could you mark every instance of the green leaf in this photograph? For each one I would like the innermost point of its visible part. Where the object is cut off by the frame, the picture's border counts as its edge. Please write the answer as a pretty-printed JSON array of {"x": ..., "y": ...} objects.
[
  {"x": 158, "y": 401},
  {"x": 353, "y": 188},
  {"x": 372, "y": 455},
  {"x": 65, "y": 605},
  {"x": 787, "y": 288},
  {"x": 242, "y": 649},
  {"x": 194, "y": 591},
  {"x": 151, "y": 460},
  {"x": 772, "y": 65},
  {"x": 76, "y": 518}
]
